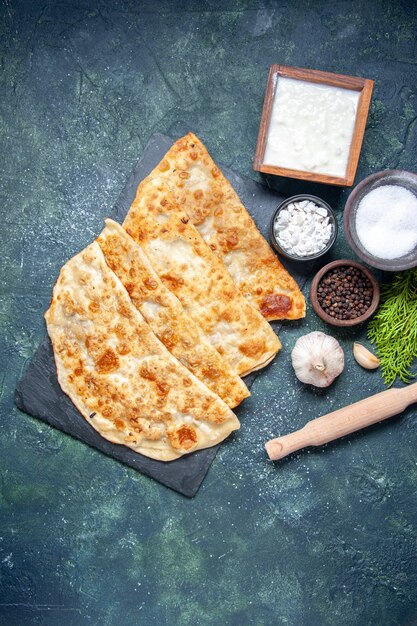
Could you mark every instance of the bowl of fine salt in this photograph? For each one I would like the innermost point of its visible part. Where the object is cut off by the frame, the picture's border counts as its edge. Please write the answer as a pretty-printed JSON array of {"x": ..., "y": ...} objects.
[{"x": 380, "y": 220}]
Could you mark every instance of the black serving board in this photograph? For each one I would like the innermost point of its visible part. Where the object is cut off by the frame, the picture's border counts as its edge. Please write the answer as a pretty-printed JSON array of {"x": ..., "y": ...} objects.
[{"x": 39, "y": 394}]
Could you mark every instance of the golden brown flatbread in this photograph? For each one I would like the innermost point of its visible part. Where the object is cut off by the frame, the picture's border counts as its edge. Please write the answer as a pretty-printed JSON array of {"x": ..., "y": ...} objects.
[
  {"x": 119, "y": 375},
  {"x": 166, "y": 316},
  {"x": 188, "y": 267},
  {"x": 209, "y": 200}
]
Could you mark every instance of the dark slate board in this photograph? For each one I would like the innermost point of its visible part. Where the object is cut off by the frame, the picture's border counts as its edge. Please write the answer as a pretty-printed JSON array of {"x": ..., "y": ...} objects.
[{"x": 39, "y": 394}]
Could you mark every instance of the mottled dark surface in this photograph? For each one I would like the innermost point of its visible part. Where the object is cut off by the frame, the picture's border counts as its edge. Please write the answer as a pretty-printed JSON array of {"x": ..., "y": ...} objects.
[{"x": 326, "y": 537}]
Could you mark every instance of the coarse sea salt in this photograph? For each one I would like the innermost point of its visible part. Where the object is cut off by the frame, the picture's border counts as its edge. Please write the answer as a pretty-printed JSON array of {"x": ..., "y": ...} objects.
[
  {"x": 303, "y": 228},
  {"x": 386, "y": 221}
]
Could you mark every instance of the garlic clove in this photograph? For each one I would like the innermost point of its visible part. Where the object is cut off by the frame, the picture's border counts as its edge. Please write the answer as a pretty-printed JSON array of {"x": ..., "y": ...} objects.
[{"x": 364, "y": 357}]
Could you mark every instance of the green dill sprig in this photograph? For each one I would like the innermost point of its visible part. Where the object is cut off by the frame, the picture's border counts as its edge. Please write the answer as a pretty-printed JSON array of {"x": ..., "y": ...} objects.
[{"x": 393, "y": 329}]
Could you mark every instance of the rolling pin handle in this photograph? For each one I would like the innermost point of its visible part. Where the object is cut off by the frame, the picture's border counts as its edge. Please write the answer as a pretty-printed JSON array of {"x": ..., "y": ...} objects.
[{"x": 282, "y": 446}]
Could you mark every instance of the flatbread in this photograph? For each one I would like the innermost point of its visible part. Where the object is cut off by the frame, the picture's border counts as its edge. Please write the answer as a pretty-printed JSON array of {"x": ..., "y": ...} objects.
[
  {"x": 120, "y": 377},
  {"x": 215, "y": 209},
  {"x": 198, "y": 278},
  {"x": 165, "y": 315}
]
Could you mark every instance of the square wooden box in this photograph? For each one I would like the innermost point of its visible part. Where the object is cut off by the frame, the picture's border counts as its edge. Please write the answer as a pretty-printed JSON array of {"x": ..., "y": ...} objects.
[{"x": 363, "y": 85}]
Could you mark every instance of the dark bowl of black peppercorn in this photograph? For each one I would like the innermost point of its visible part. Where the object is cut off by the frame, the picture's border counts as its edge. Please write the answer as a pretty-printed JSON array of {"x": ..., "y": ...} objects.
[{"x": 344, "y": 293}]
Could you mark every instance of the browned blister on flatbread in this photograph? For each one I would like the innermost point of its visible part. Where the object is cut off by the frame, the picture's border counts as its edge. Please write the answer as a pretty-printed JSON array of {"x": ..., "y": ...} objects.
[
  {"x": 166, "y": 316},
  {"x": 121, "y": 378},
  {"x": 188, "y": 267},
  {"x": 213, "y": 206}
]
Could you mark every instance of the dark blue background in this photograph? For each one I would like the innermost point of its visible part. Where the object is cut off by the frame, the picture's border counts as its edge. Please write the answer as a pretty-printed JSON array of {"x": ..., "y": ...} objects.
[{"x": 327, "y": 537}]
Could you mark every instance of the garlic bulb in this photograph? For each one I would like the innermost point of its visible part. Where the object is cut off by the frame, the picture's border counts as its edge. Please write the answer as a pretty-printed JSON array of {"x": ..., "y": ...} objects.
[
  {"x": 365, "y": 357},
  {"x": 317, "y": 359}
]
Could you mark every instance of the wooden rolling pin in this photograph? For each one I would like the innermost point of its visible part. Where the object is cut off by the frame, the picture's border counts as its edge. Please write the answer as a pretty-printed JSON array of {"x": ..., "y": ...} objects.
[{"x": 344, "y": 421}]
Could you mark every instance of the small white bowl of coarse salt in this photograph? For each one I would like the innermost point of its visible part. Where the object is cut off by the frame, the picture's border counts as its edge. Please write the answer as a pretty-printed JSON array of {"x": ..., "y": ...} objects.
[
  {"x": 380, "y": 220},
  {"x": 303, "y": 228}
]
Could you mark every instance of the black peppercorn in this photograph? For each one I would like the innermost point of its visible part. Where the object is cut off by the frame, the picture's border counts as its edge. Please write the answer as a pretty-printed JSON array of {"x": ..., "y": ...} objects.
[{"x": 345, "y": 293}]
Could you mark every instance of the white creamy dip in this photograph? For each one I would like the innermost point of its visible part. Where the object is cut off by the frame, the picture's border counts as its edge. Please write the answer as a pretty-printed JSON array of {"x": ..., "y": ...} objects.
[{"x": 311, "y": 127}]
